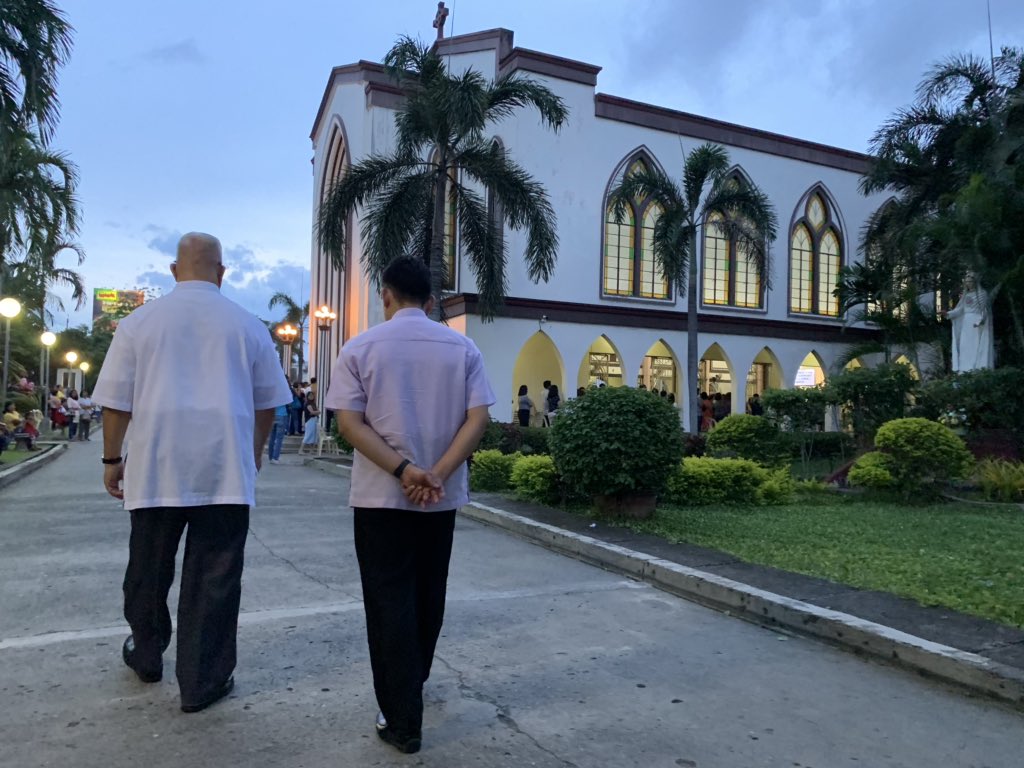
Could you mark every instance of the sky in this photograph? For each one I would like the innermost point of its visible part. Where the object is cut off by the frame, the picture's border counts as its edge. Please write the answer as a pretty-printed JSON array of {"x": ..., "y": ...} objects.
[{"x": 195, "y": 115}]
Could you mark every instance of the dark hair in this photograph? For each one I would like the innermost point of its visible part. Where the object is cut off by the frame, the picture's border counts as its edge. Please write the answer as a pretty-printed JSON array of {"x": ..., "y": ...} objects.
[
  {"x": 547, "y": 383},
  {"x": 581, "y": 391},
  {"x": 313, "y": 380},
  {"x": 408, "y": 278},
  {"x": 671, "y": 397},
  {"x": 522, "y": 390},
  {"x": 553, "y": 390}
]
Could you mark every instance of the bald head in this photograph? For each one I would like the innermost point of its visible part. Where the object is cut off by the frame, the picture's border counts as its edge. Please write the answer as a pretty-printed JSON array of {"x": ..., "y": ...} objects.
[{"x": 199, "y": 258}]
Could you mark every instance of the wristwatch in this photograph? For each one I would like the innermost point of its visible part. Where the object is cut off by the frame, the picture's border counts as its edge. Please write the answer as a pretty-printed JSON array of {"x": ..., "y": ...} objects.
[{"x": 115, "y": 460}]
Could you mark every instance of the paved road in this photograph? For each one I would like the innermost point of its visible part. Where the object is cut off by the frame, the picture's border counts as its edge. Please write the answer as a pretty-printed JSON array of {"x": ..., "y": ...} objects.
[{"x": 544, "y": 661}]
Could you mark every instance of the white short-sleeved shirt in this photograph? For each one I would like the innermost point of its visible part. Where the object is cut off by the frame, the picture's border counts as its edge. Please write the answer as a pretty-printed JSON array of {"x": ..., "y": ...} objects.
[
  {"x": 193, "y": 367},
  {"x": 413, "y": 379}
]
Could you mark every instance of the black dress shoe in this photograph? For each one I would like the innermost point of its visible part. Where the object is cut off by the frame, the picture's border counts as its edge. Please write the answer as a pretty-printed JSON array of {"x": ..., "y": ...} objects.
[
  {"x": 154, "y": 675},
  {"x": 219, "y": 693},
  {"x": 407, "y": 744}
]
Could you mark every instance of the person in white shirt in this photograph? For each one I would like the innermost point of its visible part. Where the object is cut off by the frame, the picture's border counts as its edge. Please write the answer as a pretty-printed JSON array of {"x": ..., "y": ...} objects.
[
  {"x": 189, "y": 387},
  {"x": 412, "y": 398}
]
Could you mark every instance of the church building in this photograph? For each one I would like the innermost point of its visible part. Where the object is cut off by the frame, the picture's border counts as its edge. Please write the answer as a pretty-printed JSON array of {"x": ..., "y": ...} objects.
[{"x": 607, "y": 314}]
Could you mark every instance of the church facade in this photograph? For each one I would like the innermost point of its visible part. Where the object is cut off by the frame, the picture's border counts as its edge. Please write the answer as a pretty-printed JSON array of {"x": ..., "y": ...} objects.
[{"x": 607, "y": 313}]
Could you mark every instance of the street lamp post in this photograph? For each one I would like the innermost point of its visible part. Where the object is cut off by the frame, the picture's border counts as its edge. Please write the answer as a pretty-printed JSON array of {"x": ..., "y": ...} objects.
[
  {"x": 48, "y": 339},
  {"x": 9, "y": 309},
  {"x": 84, "y": 368},
  {"x": 72, "y": 358},
  {"x": 286, "y": 333},
  {"x": 325, "y": 318}
]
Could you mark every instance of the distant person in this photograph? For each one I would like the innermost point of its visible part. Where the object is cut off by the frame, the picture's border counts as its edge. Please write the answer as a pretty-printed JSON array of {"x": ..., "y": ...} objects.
[
  {"x": 282, "y": 417},
  {"x": 672, "y": 397},
  {"x": 552, "y": 403},
  {"x": 526, "y": 406},
  {"x": 191, "y": 380},
  {"x": 707, "y": 413},
  {"x": 85, "y": 405},
  {"x": 581, "y": 391},
  {"x": 310, "y": 435},
  {"x": 412, "y": 398},
  {"x": 74, "y": 409},
  {"x": 546, "y": 386},
  {"x": 756, "y": 408}
]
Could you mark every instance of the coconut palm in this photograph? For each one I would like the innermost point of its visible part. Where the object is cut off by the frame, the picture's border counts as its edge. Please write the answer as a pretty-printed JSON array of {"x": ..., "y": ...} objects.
[
  {"x": 37, "y": 194},
  {"x": 295, "y": 315},
  {"x": 34, "y": 278},
  {"x": 737, "y": 210},
  {"x": 445, "y": 162},
  {"x": 35, "y": 41},
  {"x": 953, "y": 158}
]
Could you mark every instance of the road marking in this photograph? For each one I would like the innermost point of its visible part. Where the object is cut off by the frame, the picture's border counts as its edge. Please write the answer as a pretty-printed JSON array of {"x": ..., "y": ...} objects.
[{"x": 251, "y": 618}]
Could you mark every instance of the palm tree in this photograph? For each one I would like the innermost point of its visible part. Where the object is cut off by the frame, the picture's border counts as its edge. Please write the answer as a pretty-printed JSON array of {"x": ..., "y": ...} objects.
[
  {"x": 953, "y": 159},
  {"x": 295, "y": 315},
  {"x": 445, "y": 163},
  {"x": 37, "y": 194},
  {"x": 35, "y": 41},
  {"x": 738, "y": 210},
  {"x": 34, "y": 277}
]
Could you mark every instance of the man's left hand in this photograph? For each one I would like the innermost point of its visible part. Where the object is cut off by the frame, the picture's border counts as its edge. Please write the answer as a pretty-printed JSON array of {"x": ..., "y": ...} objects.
[{"x": 113, "y": 474}]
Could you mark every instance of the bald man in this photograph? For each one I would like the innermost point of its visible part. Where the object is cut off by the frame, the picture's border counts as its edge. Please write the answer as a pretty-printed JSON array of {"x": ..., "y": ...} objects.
[{"x": 188, "y": 389}]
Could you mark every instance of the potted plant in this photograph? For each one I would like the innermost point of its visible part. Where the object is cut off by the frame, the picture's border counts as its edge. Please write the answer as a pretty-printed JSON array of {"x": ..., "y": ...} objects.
[{"x": 618, "y": 446}]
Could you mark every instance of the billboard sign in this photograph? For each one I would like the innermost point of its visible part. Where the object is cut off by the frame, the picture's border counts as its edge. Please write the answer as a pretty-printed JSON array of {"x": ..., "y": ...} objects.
[{"x": 114, "y": 304}]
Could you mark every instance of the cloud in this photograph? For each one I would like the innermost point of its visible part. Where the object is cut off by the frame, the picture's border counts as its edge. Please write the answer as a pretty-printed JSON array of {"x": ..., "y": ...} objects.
[
  {"x": 249, "y": 280},
  {"x": 182, "y": 52}
]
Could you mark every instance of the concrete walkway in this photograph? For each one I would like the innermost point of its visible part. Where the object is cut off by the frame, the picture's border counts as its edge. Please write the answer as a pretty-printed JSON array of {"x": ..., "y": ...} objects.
[{"x": 544, "y": 661}]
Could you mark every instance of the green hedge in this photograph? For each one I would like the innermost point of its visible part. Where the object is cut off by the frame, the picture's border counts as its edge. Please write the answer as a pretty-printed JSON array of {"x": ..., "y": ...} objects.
[
  {"x": 616, "y": 440},
  {"x": 535, "y": 478},
  {"x": 702, "y": 481},
  {"x": 491, "y": 470},
  {"x": 748, "y": 437},
  {"x": 511, "y": 438},
  {"x": 991, "y": 399},
  {"x": 923, "y": 454},
  {"x": 872, "y": 470}
]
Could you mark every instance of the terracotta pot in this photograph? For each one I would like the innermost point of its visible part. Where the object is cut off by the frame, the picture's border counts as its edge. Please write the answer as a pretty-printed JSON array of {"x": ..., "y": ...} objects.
[{"x": 638, "y": 505}]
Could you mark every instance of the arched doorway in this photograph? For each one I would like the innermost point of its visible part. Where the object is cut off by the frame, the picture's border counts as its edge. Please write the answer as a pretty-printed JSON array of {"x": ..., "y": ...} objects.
[
  {"x": 904, "y": 360},
  {"x": 715, "y": 376},
  {"x": 538, "y": 361},
  {"x": 659, "y": 371},
  {"x": 601, "y": 363},
  {"x": 811, "y": 372},
  {"x": 765, "y": 373}
]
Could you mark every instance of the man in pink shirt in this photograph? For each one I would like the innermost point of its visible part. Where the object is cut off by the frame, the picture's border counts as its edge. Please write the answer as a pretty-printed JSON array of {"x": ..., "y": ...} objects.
[{"x": 412, "y": 398}]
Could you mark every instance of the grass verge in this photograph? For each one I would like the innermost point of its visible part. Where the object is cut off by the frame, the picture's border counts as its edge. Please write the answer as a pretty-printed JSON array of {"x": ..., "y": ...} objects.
[
  {"x": 7, "y": 458},
  {"x": 960, "y": 556}
]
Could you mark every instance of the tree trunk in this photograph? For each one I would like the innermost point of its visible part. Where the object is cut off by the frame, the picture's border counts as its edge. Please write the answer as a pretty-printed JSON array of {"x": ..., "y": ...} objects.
[
  {"x": 437, "y": 244},
  {"x": 690, "y": 381}
]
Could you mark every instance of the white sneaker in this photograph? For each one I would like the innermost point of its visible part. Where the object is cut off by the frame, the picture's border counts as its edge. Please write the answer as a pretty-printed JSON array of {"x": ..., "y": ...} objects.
[{"x": 275, "y": 461}]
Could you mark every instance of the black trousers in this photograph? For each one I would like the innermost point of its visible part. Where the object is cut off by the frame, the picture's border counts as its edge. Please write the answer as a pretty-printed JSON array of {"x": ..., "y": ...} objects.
[
  {"x": 211, "y": 587},
  {"x": 403, "y": 562}
]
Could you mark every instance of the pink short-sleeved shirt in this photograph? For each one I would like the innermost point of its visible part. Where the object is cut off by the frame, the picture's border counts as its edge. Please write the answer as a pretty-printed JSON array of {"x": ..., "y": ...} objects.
[{"x": 414, "y": 379}]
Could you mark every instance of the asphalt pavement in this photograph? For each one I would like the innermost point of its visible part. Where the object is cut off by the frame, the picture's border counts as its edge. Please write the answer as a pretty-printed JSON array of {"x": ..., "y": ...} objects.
[{"x": 544, "y": 660}]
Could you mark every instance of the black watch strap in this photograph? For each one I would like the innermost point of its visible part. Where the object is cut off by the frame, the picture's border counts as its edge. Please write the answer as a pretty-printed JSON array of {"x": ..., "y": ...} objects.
[
  {"x": 401, "y": 468},
  {"x": 115, "y": 460}
]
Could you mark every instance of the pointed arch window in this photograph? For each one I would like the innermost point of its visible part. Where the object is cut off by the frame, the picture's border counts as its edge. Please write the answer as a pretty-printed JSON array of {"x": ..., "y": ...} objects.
[
  {"x": 815, "y": 257},
  {"x": 630, "y": 268},
  {"x": 729, "y": 277},
  {"x": 451, "y": 232}
]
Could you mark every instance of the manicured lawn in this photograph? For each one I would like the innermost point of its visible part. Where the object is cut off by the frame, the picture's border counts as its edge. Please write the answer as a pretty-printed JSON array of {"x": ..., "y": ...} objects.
[
  {"x": 961, "y": 556},
  {"x": 9, "y": 457}
]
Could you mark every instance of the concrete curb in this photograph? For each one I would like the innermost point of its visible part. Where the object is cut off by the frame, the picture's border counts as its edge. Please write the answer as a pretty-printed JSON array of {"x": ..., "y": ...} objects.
[
  {"x": 22, "y": 469},
  {"x": 943, "y": 662}
]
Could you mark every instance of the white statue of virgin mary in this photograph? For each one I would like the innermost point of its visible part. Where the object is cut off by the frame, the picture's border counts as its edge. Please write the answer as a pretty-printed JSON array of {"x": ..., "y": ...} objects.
[{"x": 973, "y": 345}]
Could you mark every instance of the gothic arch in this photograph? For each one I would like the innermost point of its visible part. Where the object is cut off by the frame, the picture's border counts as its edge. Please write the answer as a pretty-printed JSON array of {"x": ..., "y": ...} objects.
[{"x": 817, "y": 249}]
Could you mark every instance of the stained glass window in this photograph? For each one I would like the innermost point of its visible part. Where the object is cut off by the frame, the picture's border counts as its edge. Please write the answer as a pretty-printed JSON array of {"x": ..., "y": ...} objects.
[
  {"x": 815, "y": 258},
  {"x": 729, "y": 276},
  {"x": 630, "y": 268}
]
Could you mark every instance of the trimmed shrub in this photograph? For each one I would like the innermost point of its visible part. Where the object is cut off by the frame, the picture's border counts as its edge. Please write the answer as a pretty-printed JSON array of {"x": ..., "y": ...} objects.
[
  {"x": 869, "y": 397},
  {"x": 343, "y": 445},
  {"x": 748, "y": 437},
  {"x": 511, "y": 438},
  {"x": 535, "y": 478},
  {"x": 534, "y": 441},
  {"x": 491, "y": 470},
  {"x": 694, "y": 445},
  {"x": 616, "y": 440},
  {"x": 700, "y": 481},
  {"x": 778, "y": 488},
  {"x": 872, "y": 470},
  {"x": 1001, "y": 480},
  {"x": 923, "y": 453},
  {"x": 990, "y": 399}
]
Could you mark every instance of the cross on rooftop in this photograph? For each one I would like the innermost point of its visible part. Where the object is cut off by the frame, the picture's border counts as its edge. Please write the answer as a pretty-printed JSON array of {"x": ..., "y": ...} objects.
[{"x": 442, "y": 14}]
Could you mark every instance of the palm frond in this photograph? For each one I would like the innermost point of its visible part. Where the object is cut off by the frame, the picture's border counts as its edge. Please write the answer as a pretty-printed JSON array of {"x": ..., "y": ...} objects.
[
  {"x": 705, "y": 165},
  {"x": 484, "y": 247},
  {"x": 392, "y": 218},
  {"x": 512, "y": 92}
]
